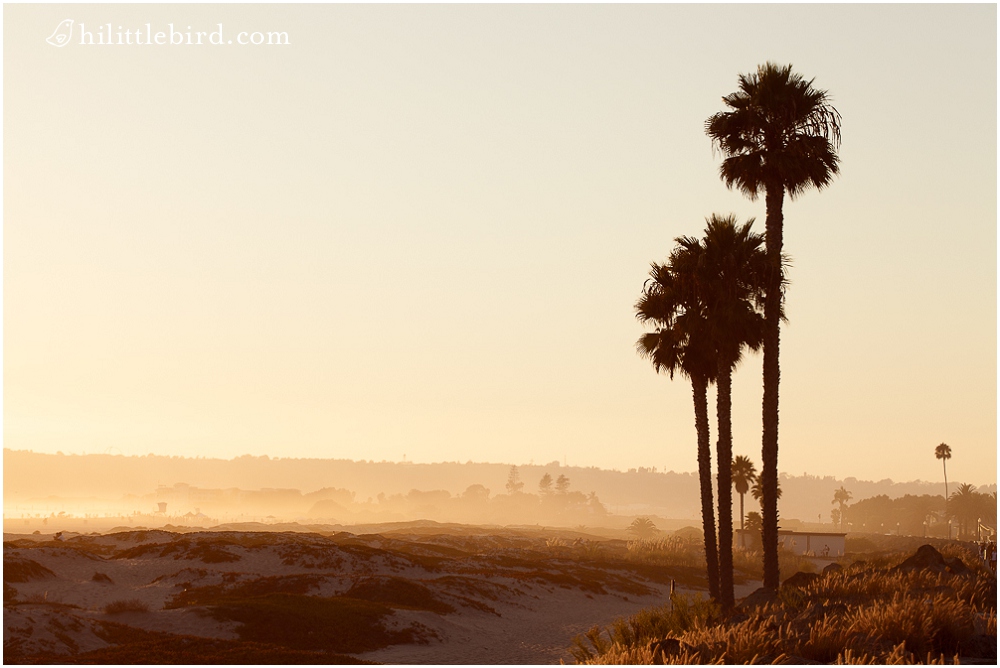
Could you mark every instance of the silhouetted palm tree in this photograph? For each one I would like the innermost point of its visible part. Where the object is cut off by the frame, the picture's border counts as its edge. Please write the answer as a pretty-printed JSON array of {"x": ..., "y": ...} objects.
[
  {"x": 780, "y": 135},
  {"x": 943, "y": 452},
  {"x": 731, "y": 275},
  {"x": 744, "y": 473},
  {"x": 754, "y": 525},
  {"x": 642, "y": 527},
  {"x": 757, "y": 491},
  {"x": 841, "y": 496},
  {"x": 964, "y": 506},
  {"x": 681, "y": 344}
]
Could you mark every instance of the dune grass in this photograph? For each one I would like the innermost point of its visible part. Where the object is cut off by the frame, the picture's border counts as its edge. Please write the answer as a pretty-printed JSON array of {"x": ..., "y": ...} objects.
[
  {"x": 341, "y": 625},
  {"x": 126, "y": 605},
  {"x": 863, "y": 613},
  {"x": 20, "y": 569}
]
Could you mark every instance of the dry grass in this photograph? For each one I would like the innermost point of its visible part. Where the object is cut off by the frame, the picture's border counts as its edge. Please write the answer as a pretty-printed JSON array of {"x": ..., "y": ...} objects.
[
  {"x": 667, "y": 551},
  {"x": 20, "y": 569},
  {"x": 126, "y": 605},
  {"x": 861, "y": 614}
]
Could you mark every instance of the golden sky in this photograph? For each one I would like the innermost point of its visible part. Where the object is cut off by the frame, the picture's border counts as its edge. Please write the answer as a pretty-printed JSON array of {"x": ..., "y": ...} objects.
[{"x": 421, "y": 230}]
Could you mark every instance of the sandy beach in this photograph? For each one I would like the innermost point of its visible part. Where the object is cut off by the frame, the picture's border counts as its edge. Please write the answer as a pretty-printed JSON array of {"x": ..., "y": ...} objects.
[{"x": 440, "y": 599}]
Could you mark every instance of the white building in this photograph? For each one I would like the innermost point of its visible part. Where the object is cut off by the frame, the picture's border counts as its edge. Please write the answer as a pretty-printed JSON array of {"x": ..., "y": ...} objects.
[{"x": 810, "y": 543}]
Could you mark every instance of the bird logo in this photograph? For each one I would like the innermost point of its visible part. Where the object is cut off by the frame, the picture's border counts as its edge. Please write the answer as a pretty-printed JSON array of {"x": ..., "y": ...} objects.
[{"x": 60, "y": 36}]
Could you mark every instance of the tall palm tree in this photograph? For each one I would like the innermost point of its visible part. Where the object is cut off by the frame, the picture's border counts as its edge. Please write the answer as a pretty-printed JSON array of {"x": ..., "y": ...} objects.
[
  {"x": 731, "y": 276},
  {"x": 943, "y": 452},
  {"x": 680, "y": 344},
  {"x": 842, "y": 496},
  {"x": 744, "y": 473},
  {"x": 780, "y": 135}
]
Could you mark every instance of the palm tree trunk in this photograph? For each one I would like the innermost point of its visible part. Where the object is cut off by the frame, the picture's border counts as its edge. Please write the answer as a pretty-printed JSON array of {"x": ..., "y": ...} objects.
[
  {"x": 772, "y": 377},
  {"x": 725, "y": 453},
  {"x": 944, "y": 465},
  {"x": 700, "y": 390},
  {"x": 743, "y": 515}
]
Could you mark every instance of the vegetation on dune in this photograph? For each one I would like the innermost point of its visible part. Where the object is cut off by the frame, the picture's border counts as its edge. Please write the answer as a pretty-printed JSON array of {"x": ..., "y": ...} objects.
[
  {"x": 313, "y": 623},
  {"x": 21, "y": 569},
  {"x": 126, "y": 605},
  {"x": 133, "y": 646},
  {"x": 928, "y": 608},
  {"x": 398, "y": 592}
]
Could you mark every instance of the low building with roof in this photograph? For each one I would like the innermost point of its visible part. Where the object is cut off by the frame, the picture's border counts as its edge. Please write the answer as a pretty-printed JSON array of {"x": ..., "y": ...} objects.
[{"x": 807, "y": 543}]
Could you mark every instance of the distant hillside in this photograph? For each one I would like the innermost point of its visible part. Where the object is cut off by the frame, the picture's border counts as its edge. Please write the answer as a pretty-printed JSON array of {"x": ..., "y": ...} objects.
[{"x": 30, "y": 475}]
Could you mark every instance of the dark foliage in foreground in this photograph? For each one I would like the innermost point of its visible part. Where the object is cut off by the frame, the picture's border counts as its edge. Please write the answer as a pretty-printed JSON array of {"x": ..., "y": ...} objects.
[{"x": 928, "y": 608}]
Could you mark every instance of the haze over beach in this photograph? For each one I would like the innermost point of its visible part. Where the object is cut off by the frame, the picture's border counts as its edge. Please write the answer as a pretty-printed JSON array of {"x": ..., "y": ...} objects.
[{"x": 370, "y": 333}]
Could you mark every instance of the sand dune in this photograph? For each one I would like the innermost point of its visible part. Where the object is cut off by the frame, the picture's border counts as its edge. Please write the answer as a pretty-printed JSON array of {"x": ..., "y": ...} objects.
[{"x": 464, "y": 597}]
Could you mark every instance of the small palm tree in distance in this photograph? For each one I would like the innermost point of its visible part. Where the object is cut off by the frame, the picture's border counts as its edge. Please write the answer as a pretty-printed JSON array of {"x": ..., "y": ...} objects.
[
  {"x": 943, "y": 452},
  {"x": 841, "y": 496},
  {"x": 744, "y": 473},
  {"x": 964, "y": 508},
  {"x": 757, "y": 491},
  {"x": 754, "y": 525},
  {"x": 642, "y": 527}
]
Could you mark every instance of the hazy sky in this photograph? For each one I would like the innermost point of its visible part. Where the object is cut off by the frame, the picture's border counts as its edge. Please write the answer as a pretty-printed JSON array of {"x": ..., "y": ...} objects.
[{"x": 421, "y": 230}]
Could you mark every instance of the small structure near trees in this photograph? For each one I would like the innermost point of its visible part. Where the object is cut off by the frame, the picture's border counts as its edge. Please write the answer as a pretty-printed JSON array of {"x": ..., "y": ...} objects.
[{"x": 806, "y": 543}]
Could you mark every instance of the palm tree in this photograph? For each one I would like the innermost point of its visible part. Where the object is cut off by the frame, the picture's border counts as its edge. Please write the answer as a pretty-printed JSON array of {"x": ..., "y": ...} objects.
[
  {"x": 718, "y": 280},
  {"x": 943, "y": 452},
  {"x": 841, "y": 496},
  {"x": 757, "y": 492},
  {"x": 744, "y": 473},
  {"x": 754, "y": 525},
  {"x": 964, "y": 507},
  {"x": 680, "y": 344},
  {"x": 780, "y": 135},
  {"x": 731, "y": 273},
  {"x": 642, "y": 527}
]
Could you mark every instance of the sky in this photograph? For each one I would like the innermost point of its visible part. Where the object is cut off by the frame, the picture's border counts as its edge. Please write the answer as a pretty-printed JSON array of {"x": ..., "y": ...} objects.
[{"x": 419, "y": 232}]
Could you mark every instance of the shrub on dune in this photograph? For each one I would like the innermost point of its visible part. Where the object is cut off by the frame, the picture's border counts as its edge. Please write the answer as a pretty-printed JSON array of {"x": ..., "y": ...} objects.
[{"x": 126, "y": 605}]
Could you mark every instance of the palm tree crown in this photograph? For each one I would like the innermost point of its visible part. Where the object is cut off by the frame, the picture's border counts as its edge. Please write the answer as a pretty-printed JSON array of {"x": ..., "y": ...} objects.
[
  {"x": 757, "y": 491},
  {"x": 779, "y": 130},
  {"x": 744, "y": 473}
]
